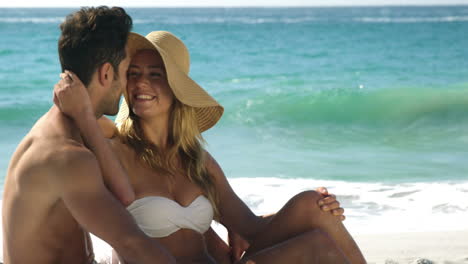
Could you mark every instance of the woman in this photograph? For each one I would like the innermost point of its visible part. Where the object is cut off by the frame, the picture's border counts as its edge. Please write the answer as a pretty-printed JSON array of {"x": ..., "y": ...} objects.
[{"x": 180, "y": 188}]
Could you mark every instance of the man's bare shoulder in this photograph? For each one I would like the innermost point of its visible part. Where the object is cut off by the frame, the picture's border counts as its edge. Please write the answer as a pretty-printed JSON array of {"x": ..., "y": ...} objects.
[
  {"x": 48, "y": 144},
  {"x": 73, "y": 169},
  {"x": 71, "y": 156},
  {"x": 55, "y": 151},
  {"x": 53, "y": 157},
  {"x": 41, "y": 165},
  {"x": 36, "y": 154}
]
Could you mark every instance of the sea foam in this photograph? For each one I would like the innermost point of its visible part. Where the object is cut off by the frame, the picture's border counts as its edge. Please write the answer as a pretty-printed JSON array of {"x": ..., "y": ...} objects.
[{"x": 370, "y": 207}]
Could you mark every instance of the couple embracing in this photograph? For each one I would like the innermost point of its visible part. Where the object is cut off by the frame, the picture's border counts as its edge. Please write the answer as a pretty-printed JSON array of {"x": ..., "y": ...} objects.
[{"x": 145, "y": 185}]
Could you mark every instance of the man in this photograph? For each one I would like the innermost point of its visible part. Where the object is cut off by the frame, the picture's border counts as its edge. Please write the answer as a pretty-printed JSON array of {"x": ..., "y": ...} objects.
[{"x": 54, "y": 190}]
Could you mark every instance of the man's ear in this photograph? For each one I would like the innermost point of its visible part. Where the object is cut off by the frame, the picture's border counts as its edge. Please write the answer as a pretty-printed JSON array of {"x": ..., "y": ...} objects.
[{"x": 106, "y": 74}]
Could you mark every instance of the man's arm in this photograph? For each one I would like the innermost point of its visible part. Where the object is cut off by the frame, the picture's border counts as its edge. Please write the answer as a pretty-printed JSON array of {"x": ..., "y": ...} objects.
[
  {"x": 217, "y": 248},
  {"x": 77, "y": 179}
]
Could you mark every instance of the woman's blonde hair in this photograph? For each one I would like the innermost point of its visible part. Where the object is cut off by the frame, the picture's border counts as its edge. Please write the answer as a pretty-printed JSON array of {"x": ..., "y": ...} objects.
[{"x": 185, "y": 153}]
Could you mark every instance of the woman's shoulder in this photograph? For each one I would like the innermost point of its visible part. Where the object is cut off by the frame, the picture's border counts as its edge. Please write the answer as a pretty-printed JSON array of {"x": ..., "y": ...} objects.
[
  {"x": 120, "y": 148},
  {"x": 211, "y": 164},
  {"x": 207, "y": 158},
  {"x": 108, "y": 127}
]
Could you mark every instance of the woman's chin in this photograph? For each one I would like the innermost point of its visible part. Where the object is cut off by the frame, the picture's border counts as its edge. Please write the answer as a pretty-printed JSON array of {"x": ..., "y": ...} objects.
[{"x": 146, "y": 114}]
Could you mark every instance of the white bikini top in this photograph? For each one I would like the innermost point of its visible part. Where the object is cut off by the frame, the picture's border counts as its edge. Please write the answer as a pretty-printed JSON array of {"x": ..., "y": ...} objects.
[{"x": 159, "y": 216}]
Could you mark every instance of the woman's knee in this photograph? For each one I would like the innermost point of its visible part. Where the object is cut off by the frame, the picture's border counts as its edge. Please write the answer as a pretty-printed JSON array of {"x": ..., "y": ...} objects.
[
  {"x": 304, "y": 210},
  {"x": 306, "y": 202}
]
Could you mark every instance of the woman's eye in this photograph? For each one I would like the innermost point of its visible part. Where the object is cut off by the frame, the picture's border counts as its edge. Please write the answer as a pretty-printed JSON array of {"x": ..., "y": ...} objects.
[
  {"x": 155, "y": 74},
  {"x": 132, "y": 74}
]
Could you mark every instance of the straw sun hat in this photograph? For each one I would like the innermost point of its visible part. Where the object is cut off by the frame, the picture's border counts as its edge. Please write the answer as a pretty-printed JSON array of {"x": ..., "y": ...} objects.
[{"x": 177, "y": 62}]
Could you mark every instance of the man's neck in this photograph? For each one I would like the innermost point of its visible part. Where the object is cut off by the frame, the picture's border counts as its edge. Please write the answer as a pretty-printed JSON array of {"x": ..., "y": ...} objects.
[
  {"x": 63, "y": 124},
  {"x": 94, "y": 98}
]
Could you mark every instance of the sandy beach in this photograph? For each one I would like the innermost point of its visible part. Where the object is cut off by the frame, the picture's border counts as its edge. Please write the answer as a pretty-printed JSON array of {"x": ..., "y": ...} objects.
[
  {"x": 450, "y": 247},
  {"x": 439, "y": 247}
]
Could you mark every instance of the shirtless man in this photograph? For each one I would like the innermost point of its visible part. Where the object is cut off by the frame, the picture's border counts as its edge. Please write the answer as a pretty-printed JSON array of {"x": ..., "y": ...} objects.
[{"x": 55, "y": 191}]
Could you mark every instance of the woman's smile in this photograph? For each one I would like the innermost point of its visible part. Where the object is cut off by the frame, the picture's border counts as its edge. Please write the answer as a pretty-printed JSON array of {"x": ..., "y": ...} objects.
[{"x": 144, "y": 97}]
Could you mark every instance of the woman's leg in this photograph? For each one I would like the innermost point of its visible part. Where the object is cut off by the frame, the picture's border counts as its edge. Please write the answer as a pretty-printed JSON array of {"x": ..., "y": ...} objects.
[
  {"x": 310, "y": 247},
  {"x": 300, "y": 215}
]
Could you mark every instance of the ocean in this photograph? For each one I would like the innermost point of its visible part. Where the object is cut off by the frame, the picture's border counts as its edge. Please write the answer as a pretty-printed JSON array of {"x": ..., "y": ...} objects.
[{"x": 371, "y": 102}]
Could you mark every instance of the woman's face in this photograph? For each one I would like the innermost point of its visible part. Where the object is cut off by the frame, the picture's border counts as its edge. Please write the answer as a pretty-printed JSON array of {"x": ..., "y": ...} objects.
[{"x": 148, "y": 90}]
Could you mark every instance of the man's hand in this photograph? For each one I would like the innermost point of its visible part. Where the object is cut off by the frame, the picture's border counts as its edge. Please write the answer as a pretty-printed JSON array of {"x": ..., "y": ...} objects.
[
  {"x": 71, "y": 96},
  {"x": 329, "y": 203}
]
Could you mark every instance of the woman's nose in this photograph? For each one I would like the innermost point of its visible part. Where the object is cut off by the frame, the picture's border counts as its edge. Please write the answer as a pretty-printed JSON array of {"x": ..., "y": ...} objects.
[{"x": 142, "y": 81}]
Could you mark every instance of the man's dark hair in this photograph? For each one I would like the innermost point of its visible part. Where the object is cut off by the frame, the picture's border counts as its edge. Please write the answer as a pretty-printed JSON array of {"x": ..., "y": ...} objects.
[{"x": 91, "y": 37}]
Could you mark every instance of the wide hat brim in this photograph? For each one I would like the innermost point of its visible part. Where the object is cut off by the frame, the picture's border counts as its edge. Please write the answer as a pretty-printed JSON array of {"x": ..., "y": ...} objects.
[{"x": 187, "y": 91}]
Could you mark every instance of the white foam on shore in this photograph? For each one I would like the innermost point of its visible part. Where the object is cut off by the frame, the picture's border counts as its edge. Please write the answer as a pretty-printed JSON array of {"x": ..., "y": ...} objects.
[{"x": 370, "y": 208}]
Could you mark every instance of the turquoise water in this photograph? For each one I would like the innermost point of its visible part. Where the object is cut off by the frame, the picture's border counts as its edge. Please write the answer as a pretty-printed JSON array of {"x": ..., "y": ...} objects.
[{"x": 374, "y": 95}]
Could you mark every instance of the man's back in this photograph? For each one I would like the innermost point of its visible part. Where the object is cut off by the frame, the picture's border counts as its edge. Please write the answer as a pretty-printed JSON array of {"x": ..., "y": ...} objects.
[{"x": 37, "y": 226}]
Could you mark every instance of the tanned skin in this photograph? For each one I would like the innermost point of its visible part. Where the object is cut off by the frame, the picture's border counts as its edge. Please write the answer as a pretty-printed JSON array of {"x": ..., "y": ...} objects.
[{"x": 55, "y": 192}]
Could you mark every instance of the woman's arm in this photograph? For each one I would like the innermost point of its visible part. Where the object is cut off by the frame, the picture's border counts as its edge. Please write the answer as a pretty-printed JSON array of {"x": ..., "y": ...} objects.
[
  {"x": 239, "y": 219},
  {"x": 235, "y": 215},
  {"x": 72, "y": 98}
]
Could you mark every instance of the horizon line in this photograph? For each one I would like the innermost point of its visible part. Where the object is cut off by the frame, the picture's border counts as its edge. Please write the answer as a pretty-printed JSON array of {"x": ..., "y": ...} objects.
[{"x": 256, "y": 6}]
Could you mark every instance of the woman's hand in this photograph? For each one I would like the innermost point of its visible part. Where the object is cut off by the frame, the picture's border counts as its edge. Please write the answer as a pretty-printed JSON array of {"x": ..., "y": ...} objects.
[
  {"x": 329, "y": 203},
  {"x": 238, "y": 245},
  {"x": 71, "y": 96}
]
